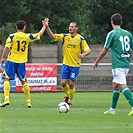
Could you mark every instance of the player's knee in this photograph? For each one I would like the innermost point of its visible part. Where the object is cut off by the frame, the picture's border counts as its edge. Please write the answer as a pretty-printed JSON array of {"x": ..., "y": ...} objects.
[
  {"x": 23, "y": 82},
  {"x": 71, "y": 85},
  {"x": 63, "y": 83},
  {"x": 6, "y": 79}
]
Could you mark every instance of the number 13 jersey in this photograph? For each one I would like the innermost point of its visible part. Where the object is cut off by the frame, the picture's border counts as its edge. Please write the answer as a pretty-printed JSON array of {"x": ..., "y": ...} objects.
[{"x": 18, "y": 45}]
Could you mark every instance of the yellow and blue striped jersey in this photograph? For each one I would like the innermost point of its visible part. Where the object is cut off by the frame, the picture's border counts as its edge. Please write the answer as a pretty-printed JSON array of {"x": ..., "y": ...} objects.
[
  {"x": 72, "y": 46},
  {"x": 18, "y": 45}
]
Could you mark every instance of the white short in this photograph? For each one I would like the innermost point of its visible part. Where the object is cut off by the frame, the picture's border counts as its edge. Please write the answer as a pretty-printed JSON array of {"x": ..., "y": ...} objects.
[{"x": 119, "y": 75}]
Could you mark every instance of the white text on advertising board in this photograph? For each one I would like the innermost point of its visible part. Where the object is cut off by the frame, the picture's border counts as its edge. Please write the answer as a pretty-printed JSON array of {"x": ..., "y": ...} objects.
[{"x": 40, "y": 81}]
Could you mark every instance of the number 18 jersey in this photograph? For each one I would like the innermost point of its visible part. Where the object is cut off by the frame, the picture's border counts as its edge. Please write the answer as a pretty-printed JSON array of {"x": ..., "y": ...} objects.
[
  {"x": 120, "y": 41},
  {"x": 18, "y": 45}
]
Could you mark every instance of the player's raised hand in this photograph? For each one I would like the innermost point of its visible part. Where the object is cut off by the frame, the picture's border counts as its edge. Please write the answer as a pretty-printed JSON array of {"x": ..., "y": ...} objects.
[{"x": 45, "y": 21}]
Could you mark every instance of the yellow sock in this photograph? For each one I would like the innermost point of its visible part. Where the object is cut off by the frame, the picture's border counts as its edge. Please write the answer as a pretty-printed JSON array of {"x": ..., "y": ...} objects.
[
  {"x": 71, "y": 93},
  {"x": 66, "y": 89},
  {"x": 27, "y": 91},
  {"x": 6, "y": 88}
]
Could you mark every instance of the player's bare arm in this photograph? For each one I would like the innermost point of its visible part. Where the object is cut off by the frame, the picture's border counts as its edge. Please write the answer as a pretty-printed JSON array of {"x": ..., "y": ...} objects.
[
  {"x": 84, "y": 54},
  {"x": 50, "y": 33},
  {"x": 101, "y": 55},
  {"x": 5, "y": 51},
  {"x": 45, "y": 23}
]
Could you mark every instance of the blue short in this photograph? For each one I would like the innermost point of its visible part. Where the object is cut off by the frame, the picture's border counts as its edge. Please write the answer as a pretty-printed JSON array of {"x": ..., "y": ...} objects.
[
  {"x": 12, "y": 68},
  {"x": 68, "y": 72}
]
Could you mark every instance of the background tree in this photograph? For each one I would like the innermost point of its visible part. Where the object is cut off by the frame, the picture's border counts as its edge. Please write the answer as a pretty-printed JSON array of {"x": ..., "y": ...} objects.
[
  {"x": 10, "y": 12},
  {"x": 93, "y": 16},
  {"x": 101, "y": 13}
]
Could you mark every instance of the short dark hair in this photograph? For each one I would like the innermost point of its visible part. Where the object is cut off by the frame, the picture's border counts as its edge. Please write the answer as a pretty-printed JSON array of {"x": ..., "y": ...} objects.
[
  {"x": 117, "y": 19},
  {"x": 75, "y": 23},
  {"x": 20, "y": 24}
]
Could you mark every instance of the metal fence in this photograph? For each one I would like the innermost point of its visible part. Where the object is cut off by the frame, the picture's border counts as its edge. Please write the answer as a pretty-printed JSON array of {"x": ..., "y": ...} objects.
[{"x": 98, "y": 80}]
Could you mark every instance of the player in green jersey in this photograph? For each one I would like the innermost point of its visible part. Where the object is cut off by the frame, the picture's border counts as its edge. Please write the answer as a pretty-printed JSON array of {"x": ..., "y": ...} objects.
[
  {"x": 17, "y": 47},
  {"x": 120, "y": 41}
]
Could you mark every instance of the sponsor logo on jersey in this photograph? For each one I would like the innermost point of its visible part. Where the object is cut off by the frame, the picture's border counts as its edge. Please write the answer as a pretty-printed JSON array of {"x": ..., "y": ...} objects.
[
  {"x": 76, "y": 41},
  {"x": 125, "y": 55}
]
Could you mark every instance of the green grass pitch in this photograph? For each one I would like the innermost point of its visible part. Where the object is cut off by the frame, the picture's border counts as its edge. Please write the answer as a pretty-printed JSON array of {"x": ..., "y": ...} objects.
[{"x": 86, "y": 115}]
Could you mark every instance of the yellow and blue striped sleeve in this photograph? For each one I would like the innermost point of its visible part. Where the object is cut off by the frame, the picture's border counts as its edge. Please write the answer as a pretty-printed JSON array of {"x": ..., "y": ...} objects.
[
  {"x": 9, "y": 41},
  {"x": 34, "y": 37}
]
